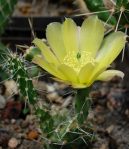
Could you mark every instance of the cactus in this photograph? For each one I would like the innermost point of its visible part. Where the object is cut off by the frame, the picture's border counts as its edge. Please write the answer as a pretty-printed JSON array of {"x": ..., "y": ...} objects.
[
  {"x": 82, "y": 105},
  {"x": 98, "y": 5},
  {"x": 17, "y": 70},
  {"x": 64, "y": 127},
  {"x": 59, "y": 128},
  {"x": 117, "y": 16},
  {"x": 6, "y": 9},
  {"x": 63, "y": 130}
]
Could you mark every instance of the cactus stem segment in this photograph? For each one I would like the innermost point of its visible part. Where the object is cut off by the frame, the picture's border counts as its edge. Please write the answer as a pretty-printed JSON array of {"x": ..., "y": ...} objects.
[{"x": 82, "y": 104}]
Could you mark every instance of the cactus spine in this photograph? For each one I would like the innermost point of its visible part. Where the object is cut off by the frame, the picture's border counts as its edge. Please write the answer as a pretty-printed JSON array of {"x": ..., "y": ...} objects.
[
  {"x": 117, "y": 16},
  {"x": 16, "y": 68}
]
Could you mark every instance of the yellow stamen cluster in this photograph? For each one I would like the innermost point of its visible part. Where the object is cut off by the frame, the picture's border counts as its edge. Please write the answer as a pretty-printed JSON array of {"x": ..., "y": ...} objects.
[{"x": 77, "y": 60}]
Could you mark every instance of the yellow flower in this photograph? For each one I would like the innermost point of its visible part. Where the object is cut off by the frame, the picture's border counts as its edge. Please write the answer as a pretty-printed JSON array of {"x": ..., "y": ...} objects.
[{"x": 79, "y": 55}]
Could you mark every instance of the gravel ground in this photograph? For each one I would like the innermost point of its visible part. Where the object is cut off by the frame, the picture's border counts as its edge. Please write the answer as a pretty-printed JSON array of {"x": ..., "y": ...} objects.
[{"x": 109, "y": 116}]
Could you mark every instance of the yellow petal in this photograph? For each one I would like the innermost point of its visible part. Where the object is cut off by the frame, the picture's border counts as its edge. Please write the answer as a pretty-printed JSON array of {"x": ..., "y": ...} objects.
[
  {"x": 78, "y": 86},
  {"x": 91, "y": 35},
  {"x": 111, "y": 47},
  {"x": 70, "y": 35},
  {"x": 109, "y": 74},
  {"x": 55, "y": 40},
  {"x": 69, "y": 73},
  {"x": 46, "y": 52},
  {"x": 51, "y": 68},
  {"x": 85, "y": 73}
]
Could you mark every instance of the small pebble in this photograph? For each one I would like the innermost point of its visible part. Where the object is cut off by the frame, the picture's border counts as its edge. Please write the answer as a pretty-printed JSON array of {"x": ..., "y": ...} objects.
[
  {"x": 13, "y": 143},
  {"x": 11, "y": 88},
  {"x": 32, "y": 135},
  {"x": 2, "y": 102},
  {"x": 13, "y": 121},
  {"x": 110, "y": 129}
]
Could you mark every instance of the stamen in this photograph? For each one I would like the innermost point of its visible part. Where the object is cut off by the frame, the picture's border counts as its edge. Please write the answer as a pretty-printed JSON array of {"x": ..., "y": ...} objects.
[{"x": 78, "y": 60}]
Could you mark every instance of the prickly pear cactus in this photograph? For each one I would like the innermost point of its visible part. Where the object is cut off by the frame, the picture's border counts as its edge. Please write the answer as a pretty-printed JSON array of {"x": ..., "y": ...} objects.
[
  {"x": 6, "y": 9},
  {"x": 58, "y": 128},
  {"x": 15, "y": 67},
  {"x": 98, "y": 6},
  {"x": 117, "y": 16},
  {"x": 64, "y": 127}
]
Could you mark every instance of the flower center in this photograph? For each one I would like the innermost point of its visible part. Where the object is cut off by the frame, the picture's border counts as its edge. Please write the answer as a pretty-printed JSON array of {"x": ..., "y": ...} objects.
[{"x": 78, "y": 60}]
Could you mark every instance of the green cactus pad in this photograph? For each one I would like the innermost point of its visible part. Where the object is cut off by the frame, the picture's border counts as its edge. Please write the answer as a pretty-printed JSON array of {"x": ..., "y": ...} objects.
[{"x": 19, "y": 73}]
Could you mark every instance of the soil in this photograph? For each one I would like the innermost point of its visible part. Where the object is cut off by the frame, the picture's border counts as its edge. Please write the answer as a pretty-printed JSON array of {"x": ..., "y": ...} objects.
[{"x": 109, "y": 116}]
